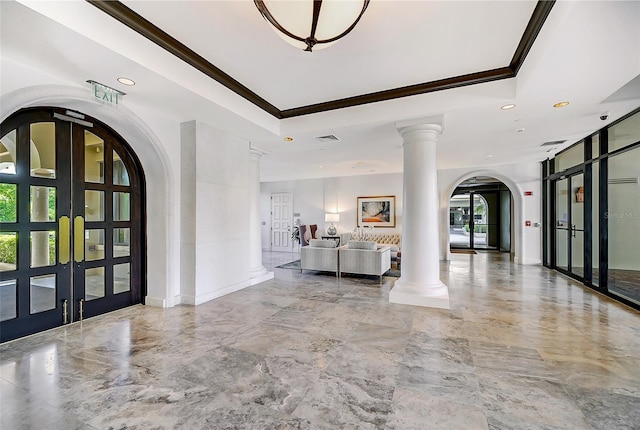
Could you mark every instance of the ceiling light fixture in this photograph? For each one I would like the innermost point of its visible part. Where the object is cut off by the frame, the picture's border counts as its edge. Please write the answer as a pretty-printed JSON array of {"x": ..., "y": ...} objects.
[
  {"x": 507, "y": 107},
  {"x": 126, "y": 81},
  {"x": 561, "y": 104},
  {"x": 288, "y": 139},
  {"x": 312, "y": 23}
]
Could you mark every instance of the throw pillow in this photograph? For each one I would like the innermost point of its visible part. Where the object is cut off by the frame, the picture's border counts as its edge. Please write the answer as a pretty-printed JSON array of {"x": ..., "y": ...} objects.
[
  {"x": 313, "y": 228},
  {"x": 319, "y": 243},
  {"x": 362, "y": 244}
]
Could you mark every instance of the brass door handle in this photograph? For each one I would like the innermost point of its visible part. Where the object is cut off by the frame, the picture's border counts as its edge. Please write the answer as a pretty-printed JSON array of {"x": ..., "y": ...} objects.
[
  {"x": 65, "y": 311},
  {"x": 78, "y": 239},
  {"x": 64, "y": 224}
]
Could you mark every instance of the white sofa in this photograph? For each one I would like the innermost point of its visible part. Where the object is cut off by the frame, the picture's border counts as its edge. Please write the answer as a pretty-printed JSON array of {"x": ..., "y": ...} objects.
[
  {"x": 320, "y": 255},
  {"x": 393, "y": 240},
  {"x": 365, "y": 258}
]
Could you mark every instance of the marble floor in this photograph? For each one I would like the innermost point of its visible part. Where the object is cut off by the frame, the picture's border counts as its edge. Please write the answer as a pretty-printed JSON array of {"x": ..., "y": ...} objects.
[{"x": 522, "y": 347}]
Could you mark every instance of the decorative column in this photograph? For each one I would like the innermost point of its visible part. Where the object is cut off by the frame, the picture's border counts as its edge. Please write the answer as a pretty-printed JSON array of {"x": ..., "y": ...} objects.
[
  {"x": 419, "y": 282},
  {"x": 257, "y": 272}
]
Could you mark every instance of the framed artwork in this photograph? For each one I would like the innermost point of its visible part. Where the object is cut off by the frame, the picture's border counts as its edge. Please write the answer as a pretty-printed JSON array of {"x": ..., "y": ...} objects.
[{"x": 376, "y": 211}]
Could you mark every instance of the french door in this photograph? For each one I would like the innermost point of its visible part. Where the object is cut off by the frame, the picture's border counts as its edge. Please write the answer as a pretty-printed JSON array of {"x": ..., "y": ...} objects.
[
  {"x": 569, "y": 225},
  {"x": 71, "y": 239}
]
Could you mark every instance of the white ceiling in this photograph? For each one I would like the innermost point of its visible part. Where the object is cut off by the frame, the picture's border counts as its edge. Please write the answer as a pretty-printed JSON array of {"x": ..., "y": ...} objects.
[{"x": 585, "y": 54}]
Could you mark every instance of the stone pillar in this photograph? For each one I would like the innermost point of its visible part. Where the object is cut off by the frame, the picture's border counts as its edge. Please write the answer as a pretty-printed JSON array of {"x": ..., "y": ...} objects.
[
  {"x": 257, "y": 271},
  {"x": 419, "y": 282}
]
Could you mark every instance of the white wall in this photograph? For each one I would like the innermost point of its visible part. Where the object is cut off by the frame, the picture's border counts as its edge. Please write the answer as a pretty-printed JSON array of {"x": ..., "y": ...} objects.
[
  {"x": 215, "y": 213},
  {"x": 313, "y": 196},
  {"x": 222, "y": 251},
  {"x": 519, "y": 178}
]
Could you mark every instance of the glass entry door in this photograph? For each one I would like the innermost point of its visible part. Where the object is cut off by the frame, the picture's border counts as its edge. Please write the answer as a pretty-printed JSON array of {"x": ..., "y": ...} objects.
[
  {"x": 569, "y": 224},
  {"x": 70, "y": 244}
]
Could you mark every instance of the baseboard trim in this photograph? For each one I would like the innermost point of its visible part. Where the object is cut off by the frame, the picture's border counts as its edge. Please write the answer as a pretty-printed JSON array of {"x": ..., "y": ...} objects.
[{"x": 155, "y": 302}]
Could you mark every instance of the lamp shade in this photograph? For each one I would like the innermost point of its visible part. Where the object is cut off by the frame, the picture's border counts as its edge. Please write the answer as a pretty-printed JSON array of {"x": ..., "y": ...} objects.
[
  {"x": 308, "y": 24},
  {"x": 329, "y": 217}
]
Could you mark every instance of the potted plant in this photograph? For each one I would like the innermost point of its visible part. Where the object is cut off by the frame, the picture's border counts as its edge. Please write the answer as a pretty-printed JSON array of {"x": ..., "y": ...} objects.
[{"x": 295, "y": 234}]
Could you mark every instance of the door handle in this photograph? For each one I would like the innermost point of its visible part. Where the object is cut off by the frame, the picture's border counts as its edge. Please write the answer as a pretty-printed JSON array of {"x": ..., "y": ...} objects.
[
  {"x": 65, "y": 311},
  {"x": 78, "y": 239},
  {"x": 64, "y": 224}
]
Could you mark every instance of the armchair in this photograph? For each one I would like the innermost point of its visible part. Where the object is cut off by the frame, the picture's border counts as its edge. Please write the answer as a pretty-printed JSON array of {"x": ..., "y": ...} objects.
[
  {"x": 321, "y": 255},
  {"x": 366, "y": 258}
]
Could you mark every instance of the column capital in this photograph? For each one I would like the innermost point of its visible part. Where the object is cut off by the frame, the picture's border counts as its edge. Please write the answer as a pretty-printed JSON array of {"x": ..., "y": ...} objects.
[{"x": 431, "y": 123}]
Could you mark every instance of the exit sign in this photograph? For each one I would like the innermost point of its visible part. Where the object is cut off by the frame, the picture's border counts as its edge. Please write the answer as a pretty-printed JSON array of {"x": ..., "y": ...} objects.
[
  {"x": 528, "y": 193},
  {"x": 105, "y": 93}
]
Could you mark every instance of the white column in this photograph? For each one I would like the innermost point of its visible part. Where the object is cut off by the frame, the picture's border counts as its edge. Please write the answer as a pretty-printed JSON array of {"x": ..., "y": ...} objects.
[
  {"x": 257, "y": 272},
  {"x": 419, "y": 282}
]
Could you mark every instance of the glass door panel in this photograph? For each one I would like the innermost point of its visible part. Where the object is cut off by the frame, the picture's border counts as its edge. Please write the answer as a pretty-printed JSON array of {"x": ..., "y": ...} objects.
[
  {"x": 595, "y": 226},
  {"x": 623, "y": 216},
  {"x": 562, "y": 250},
  {"x": 562, "y": 225},
  {"x": 93, "y": 158},
  {"x": 104, "y": 278},
  {"x": 8, "y": 153},
  {"x": 479, "y": 221},
  {"x": 577, "y": 225},
  {"x": 459, "y": 217},
  {"x": 65, "y": 259},
  {"x": 43, "y": 149},
  {"x": 34, "y": 195}
]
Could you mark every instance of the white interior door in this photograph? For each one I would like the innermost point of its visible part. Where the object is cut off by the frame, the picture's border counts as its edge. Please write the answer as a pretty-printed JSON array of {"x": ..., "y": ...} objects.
[{"x": 281, "y": 210}]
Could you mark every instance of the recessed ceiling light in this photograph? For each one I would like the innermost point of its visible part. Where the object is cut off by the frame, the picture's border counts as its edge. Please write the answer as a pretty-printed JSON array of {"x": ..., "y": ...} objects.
[
  {"x": 288, "y": 139},
  {"x": 561, "y": 104},
  {"x": 321, "y": 167},
  {"x": 489, "y": 156},
  {"x": 508, "y": 106},
  {"x": 126, "y": 81}
]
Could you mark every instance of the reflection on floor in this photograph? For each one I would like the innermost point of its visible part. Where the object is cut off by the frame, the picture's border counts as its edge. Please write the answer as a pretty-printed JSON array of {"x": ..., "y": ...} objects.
[
  {"x": 625, "y": 283},
  {"x": 522, "y": 347}
]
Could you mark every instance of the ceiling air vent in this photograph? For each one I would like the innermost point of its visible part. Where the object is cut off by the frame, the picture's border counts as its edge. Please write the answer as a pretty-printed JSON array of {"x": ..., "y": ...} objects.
[
  {"x": 623, "y": 181},
  {"x": 553, "y": 143},
  {"x": 327, "y": 139}
]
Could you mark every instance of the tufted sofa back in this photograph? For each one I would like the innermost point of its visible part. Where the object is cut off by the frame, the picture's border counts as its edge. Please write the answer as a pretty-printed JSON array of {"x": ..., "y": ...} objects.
[{"x": 386, "y": 239}]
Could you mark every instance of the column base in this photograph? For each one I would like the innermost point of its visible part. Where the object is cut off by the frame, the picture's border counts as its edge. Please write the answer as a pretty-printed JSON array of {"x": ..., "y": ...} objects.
[
  {"x": 432, "y": 296},
  {"x": 258, "y": 271},
  {"x": 260, "y": 276}
]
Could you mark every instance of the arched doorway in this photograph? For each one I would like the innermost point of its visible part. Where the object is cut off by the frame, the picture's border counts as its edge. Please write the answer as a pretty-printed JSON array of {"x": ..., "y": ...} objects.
[
  {"x": 480, "y": 215},
  {"x": 72, "y": 225}
]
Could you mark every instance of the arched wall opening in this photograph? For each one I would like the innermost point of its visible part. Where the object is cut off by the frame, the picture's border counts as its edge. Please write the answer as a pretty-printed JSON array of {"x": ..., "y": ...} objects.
[
  {"x": 163, "y": 241},
  {"x": 447, "y": 190}
]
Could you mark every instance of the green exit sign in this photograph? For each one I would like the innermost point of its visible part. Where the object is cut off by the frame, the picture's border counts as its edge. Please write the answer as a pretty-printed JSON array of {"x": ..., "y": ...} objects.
[{"x": 105, "y": 93}]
